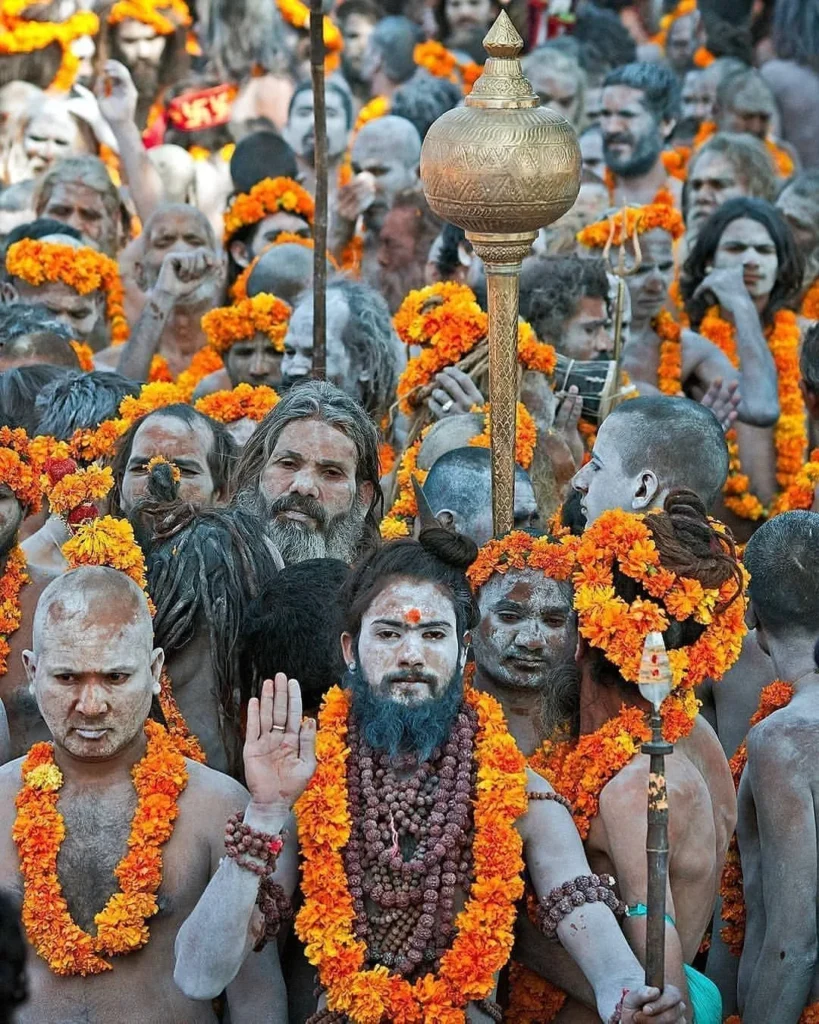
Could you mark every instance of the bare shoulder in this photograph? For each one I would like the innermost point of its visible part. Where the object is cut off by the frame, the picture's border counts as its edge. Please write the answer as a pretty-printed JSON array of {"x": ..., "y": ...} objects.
[
  {"x": 206, "y": 784},
  {"x": 784, "y": 737},
  {"x": 10, "y": 780}
]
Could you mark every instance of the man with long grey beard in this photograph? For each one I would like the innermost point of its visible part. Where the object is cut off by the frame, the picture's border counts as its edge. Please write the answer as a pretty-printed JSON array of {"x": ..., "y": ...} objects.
[{"x": 310, "y": 471}]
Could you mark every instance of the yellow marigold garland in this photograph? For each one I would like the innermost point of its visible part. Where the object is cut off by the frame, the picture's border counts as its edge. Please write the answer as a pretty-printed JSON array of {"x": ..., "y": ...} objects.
[
  {"x": 149, "y": 12},
  {"x": 267, "y": 197},
  {"x": 525, "y": 433},
  {"x": 520, "y": 550},
  {"x": 243, "y": 402},
  {"x": 82, "y": 487},
  {"x": 13, "y": 580},
  {"x": 485, "y": 926},
  {"x": 790, "y": 432},
  {"x": 204, "y": 362},
  {"x": 18, "y": 35},
  {"x": 641, "y": 219},
  {"x": 84, "y": 269},
  {"x": 379, "y": 106},
  {"x": 440, "y": 62},
  {"x": 39, "y": 831},
  {"x": 263, "y": 314},
  {"x": 772, "y": 698},
  {"x": 297, "y": 14},
  {"x": 619, "y": 629},
  {"x": 398, "y": 521}
]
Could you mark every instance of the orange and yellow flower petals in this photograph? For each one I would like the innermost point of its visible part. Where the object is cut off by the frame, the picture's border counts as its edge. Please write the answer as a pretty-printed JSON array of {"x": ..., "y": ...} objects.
[{"x": 263, "y": 314}]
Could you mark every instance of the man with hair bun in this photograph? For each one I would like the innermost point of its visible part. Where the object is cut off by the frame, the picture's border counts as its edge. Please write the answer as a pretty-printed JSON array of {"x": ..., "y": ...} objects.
[{"x": 426, "y": 824}]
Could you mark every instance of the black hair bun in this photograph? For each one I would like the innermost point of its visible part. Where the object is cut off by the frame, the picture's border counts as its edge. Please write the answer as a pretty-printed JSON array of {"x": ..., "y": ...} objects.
[
  {"x": 161, "y": 485},
  {"x": 455, "y": 549}
]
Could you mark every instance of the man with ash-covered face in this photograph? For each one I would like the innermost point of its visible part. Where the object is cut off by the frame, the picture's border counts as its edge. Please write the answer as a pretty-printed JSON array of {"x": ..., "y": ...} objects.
[
  {"x": 412, "y": 742},
  {"x": 310, "y": 471}
]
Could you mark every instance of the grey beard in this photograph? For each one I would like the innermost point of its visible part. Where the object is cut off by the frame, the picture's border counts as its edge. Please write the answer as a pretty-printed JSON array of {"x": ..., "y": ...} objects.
[
  {"x": 339, "y": 539},
  {"x": 640, "y": 162}
]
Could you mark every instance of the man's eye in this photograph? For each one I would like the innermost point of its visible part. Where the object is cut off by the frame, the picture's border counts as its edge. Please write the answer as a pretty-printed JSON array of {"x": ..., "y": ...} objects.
[
  {"x": 243, "y": 353},
  {"x": 65, "y": 677},
  {"x": 434, "y": 634},
  {"x": 91, "y": 215},
  {"x": 117, "y": 677},
  {"x": 387, "y": 634},
  {"x": 508, "y": 617},
  {"x": 664, "y": 268},
  {"x": 59, "y": 211},
  {"x": 333, "y": 474}
]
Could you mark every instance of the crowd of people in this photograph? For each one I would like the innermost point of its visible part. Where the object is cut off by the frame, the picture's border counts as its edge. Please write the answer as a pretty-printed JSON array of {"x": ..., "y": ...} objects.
[{"x": 288, "y": 733}]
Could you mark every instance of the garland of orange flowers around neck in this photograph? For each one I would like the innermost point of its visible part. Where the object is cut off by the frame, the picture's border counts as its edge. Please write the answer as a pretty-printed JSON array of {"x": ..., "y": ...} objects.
[
  {"x": 664, "y": 196},
  {"x": 774, "y": 697},
  {"x": 326, "y": 921},
  {"x": 791, "y": 430},
  {"x": 39, "y": 830},
  {"x": 580, "y": 769}
]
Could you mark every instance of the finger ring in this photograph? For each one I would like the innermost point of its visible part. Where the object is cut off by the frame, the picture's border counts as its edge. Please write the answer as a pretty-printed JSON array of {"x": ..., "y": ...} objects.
[
  {"x": 279, "y": 728},
  {"x": 447, "y": 405}
]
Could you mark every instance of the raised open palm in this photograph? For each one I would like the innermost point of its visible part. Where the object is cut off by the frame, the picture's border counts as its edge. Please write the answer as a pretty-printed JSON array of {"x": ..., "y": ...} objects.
[{"x": 280, "y": 748}]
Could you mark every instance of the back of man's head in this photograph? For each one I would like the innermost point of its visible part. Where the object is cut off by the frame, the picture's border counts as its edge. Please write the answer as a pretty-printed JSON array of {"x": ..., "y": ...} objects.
[
  {"x": 680, "y": 441},
  {"x": 395, "y": 39},
  {"x": 81, "y": 401},
  {"x": 661, "y": 95},
  {"x": 783, "y": 559},
  {"x": 285, "y": 271},
  {"x": 31, "y": 334},
  {"x": 258, "y": 156},
  {"x": 295, "y": 626},
  {"x": 19, "y": 389}
]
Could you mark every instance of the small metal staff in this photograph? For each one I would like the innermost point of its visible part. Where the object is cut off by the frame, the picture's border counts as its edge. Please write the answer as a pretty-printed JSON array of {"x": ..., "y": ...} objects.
[
  {"x": 320, "y": 165},
  {"x": 621, "y": 271},
  {"x": 655, "y": 685}
]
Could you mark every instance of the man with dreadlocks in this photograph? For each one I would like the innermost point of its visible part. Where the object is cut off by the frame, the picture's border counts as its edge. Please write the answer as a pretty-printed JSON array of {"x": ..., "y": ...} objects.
[
  {"x": 204, "y": 566},
  {"x": 670, "y": 573},
  {"x": 415, "y": 826}
]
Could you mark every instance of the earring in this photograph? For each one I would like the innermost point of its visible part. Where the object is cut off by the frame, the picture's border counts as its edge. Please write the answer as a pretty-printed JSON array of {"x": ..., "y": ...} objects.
[{"x": 351, "y": 666}]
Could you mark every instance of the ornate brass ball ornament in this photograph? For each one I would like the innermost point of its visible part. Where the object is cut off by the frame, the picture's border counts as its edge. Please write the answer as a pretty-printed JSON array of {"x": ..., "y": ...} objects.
[{"x": 501, "y": 167}]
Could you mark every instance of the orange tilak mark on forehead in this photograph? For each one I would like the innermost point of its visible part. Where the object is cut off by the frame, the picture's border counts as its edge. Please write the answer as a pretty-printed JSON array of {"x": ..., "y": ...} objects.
[{"x": 413, "y": 617}]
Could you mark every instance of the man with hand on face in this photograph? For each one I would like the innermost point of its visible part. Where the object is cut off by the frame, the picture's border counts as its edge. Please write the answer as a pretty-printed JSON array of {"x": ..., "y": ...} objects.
[
  {"x": 385, "y": 158},
  {"x": 310, "y": 473},
  {"x": 113, "y": 782},
  {"x": 407, "y": 745},
  {"x": 300, "y": 131},
  {"x": 640, "y": 107},
  {"x": 179, "y": 271}
]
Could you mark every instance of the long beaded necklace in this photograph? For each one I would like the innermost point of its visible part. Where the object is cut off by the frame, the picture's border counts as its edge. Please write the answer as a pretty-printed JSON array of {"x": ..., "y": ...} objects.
[{"x": 410, "y": 847}]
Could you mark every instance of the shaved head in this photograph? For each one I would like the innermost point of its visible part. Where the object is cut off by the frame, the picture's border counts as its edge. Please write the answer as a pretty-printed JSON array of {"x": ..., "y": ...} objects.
[
  {"x": 285, "y": 271},
  {"x": 104, "y": 596}
]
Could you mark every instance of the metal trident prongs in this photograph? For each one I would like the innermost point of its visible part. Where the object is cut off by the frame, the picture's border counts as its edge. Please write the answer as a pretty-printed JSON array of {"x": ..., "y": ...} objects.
[{"x": 621, "y": 272}]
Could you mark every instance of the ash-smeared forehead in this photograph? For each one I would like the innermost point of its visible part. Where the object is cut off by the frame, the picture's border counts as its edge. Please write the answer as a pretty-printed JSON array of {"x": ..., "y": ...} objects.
[{"x": 93, "y": 597}]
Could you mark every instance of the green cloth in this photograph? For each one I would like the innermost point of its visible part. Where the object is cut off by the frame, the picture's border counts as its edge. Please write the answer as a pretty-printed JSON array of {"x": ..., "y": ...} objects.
[{"x": 705, "y": 998}]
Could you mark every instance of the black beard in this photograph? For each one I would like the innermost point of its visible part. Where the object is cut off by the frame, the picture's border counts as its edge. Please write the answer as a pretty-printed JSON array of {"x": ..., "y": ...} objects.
[
  {"x": 644, "y": 156},
  {"x": 559, "y": 711},
  {"x": 416, "y": 728}
]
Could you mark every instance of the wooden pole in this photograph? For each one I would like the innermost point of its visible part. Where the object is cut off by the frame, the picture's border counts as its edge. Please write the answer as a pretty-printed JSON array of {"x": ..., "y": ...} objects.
[
  {"x": 656, "y": 853},
  {"x": 320, "y": 164}
]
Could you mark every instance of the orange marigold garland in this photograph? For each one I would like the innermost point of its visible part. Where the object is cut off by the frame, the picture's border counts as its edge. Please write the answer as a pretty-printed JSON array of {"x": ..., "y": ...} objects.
[
  {"x": 790, "y": 432},
  {"x": 669, "y": 371},
  {"x": 149, "y": 12},
  {"x": 486, "y": 923},
  {"x": 17, "y": 470},
  {"x": 204, "y": 362},
  {"x": 398, "y": 521},
  {"x": 440, "y": 62},
  {"x": 77, "y": 490},
  {"x": 532, "y": 999},
  {"x": 379, "y": 106},
  {"x": 802, "y": 490},
  {"x": 263, "y": 314},
  {"x": 774, "y": 697},
  {"x": 39, "y": 831},
  {"x": 84, "y": 354},
  {"x": 85, "y": 270},
  {"x": 520, "y": 550},
  {"x": 683, "y": 8},
  {"x": 13, "y": 580},
  {"x": 810, "y": 303},
  {"x": 676, "y": 160},
  {"x": 243, "y": 402},
  {"x": 19, "y": 35},
  {"x": 297, "y": 14},
  {"x": 663, "y": 197},
  {"x": 525, "y": 433},
  {"x": 639, "y": 219},
  {"x": 238, "y": 290},
  {"x": 269, "y": 196}
]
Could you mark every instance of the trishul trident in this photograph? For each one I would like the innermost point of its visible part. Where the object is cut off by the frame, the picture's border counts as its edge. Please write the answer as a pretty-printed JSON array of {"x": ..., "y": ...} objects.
[{"x": 621, "y": 270}]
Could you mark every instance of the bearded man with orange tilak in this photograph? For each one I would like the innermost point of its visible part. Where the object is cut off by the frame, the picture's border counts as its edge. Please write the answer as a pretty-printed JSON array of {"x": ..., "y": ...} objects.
[
  {"x": 670, "y": 573},
  {"x": 416, "y": 826},
  {"x": 109, "y": 834}
]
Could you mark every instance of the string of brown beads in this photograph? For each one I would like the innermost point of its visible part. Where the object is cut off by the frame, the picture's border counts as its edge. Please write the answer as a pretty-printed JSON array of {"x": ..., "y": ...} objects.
[
  {"x": 263, "y": 849},
  {"x": 326, "y": 1016},
  {"x": 277, "y": 909},
  {"x": 410, "y": 847},
  {"x": 565, "y": 899},
  {"x": 556, "y": 798}
]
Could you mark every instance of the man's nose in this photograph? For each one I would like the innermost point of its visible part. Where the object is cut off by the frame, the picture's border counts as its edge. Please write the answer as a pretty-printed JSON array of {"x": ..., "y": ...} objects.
[
  {"x": 305, "y": 483},
  {"x": 92, "y": 701}
]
